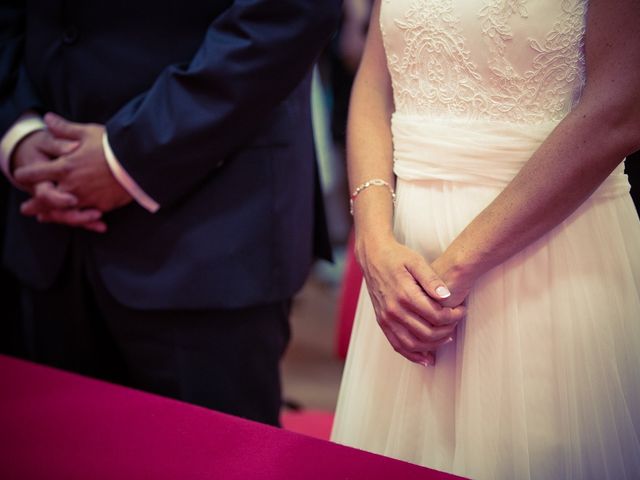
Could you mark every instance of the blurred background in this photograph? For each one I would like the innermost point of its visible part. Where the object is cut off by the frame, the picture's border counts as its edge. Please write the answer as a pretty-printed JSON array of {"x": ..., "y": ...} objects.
[{"x": 323, "y": 311}]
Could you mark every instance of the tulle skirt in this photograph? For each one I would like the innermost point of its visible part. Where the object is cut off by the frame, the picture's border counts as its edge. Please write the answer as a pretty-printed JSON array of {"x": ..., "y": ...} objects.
[{"x": 543, "y": 378}]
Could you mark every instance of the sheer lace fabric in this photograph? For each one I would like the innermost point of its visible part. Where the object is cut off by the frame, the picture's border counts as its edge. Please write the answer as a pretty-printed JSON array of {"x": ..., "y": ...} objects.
[
  {"x": 510, "y": 60},
  {"x": 542, "y": 380}
]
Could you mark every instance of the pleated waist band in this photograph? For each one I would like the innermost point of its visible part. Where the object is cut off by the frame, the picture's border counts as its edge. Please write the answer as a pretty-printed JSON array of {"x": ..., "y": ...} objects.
[{"x": 473, "y": 152}]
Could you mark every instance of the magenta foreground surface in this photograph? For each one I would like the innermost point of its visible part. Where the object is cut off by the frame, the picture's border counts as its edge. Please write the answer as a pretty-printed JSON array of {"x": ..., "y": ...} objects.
[{"x": 57, "y": 425}]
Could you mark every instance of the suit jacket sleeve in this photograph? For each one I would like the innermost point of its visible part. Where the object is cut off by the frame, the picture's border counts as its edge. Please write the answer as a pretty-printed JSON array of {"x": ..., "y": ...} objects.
[
  {"x": 253, "y": 55},
  {"x": 16, "y": 91}
]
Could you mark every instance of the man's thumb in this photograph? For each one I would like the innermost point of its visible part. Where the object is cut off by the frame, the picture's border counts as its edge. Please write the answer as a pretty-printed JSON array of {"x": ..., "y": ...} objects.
[{"x": 62, "y": 128}]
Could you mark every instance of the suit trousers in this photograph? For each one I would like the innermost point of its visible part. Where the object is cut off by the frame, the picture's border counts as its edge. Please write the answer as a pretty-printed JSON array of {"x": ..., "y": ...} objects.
[
  {"x": 11, "y": 328},
  {"x": 226, "y": 360}
]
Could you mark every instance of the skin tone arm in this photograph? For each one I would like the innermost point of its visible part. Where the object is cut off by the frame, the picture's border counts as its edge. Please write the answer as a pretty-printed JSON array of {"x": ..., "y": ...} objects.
[
  {"x": 574, "y": 160},
  {"x": 401, "y": 283}
]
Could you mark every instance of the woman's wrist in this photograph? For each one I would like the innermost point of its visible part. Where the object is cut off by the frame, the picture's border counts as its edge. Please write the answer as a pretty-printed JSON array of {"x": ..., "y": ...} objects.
[
  {"x": 370, "y": 243},
  {"x": 373, "y": 222},
  {"x": 456, "y": 274}
]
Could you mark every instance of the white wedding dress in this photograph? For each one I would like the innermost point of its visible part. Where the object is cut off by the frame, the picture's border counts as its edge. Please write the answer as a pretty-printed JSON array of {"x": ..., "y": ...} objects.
[{"x": 543, "y": 378}]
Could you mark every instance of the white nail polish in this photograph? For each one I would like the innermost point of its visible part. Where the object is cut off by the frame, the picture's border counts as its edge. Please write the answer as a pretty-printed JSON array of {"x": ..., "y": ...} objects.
[{"x": 443, "y": 292}]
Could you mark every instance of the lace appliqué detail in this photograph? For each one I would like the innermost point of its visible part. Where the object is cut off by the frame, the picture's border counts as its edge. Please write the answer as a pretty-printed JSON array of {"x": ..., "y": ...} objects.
[
  {"x": 434, "y": 68},
  {"x": 435, "y": 76}
]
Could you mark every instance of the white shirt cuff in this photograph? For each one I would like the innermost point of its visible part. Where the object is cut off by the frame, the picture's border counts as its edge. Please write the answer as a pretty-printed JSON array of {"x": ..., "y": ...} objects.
[
  {"x": 128, "y": 183},
  {"x": 27, "y": 123}
]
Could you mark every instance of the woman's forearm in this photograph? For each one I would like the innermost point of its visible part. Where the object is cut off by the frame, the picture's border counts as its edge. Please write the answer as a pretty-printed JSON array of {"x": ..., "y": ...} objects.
[
  {"x": 574, "y": 160},
  {"x": 576, "y": 157},
  {"x": 369, "y": 144}
]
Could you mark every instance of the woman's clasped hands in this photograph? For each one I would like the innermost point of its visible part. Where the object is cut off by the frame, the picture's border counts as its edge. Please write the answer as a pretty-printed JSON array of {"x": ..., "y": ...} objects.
[{"x": 417, "y": 311}]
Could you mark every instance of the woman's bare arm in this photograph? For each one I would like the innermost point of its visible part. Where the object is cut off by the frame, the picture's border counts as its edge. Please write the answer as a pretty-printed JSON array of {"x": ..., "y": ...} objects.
[
  {"x": 401, "y": 283},
  {"x": 574, "y": 160}
]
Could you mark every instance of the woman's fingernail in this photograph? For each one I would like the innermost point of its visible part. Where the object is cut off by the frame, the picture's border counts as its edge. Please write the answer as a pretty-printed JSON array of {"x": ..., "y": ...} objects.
[
  {"x": 448, "y": 340},
  {"x": 443, "y": 292},
  {"x": 429, "y": 361}
]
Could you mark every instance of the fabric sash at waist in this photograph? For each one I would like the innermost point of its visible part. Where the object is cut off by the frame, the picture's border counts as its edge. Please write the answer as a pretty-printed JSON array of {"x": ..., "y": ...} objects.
[{"x": 473, "y": 152}]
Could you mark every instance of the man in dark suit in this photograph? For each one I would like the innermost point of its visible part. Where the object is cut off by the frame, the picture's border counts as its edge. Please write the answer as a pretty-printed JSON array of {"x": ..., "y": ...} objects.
[{"x": 174, "y": 192}]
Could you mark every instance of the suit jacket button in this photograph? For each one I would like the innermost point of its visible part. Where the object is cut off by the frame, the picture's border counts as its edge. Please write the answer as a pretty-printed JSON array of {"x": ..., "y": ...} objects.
[{"x": 70, "y": 35}]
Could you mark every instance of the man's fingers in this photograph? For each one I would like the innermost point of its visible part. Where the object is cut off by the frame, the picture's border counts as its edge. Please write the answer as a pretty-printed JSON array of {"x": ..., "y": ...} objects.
[
  {"x": 63, "y": 128},
  {"x": 89, "y": 219},
  {"x": 98, "y": 226},
  {"x": 56, "y": 147},
  {"x": 18, "y": 162},
  {"x": 48, "y": 194},
  {"x": 30, "y": 208},
  {"x": 73, "y": 217},
  {"x": 47, "y": 197},
  {"x": 41, "y": 172}
]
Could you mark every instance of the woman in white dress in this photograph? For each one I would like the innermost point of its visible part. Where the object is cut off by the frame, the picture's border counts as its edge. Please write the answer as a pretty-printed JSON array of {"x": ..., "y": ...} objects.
[{"x": 506, "y": 281}]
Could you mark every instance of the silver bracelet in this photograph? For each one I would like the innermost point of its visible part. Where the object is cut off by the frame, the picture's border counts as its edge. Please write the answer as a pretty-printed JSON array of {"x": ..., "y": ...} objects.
[{"x": 374, "y": 182}]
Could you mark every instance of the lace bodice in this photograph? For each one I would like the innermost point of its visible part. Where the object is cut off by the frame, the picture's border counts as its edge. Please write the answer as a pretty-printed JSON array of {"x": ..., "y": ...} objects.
[{"x": 518, "y": 61}]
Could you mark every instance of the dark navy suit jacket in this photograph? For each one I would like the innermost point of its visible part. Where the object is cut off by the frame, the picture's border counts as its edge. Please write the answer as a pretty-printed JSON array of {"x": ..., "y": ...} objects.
[{"x": 206, "y": 104}]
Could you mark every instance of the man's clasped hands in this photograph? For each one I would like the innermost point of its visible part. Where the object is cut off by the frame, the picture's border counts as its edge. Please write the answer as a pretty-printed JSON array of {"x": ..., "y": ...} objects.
[{"x": 65, "y": 170}]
